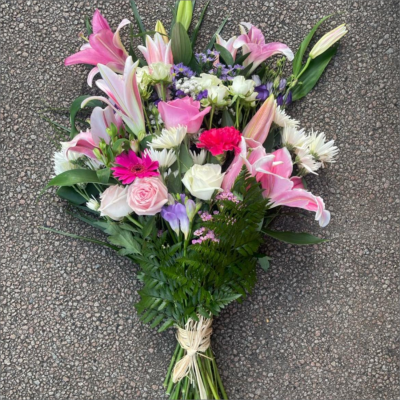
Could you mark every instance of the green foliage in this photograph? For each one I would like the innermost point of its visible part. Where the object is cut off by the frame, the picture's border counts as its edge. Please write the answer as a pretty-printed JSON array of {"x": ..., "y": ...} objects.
[
  {"x": 76, "y": 107},
  {"x": 184, "y": 13},
  {"x": 214, "y": 37},
  {"x": 298, "y": 58},
  {"x": 138, "y": 20},
  {"x": 224, "y": 54},
  {"x": 181, "y": 45},
  {"x": 294, "y": 238},
  {"x": 198, "y": 25},
  {"x": 310, "y": 77}
]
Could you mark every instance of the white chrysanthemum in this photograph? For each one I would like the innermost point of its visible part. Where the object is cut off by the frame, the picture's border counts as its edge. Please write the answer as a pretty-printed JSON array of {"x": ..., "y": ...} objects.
[
  {"x": 169, "y": 138},
  {"x": 164, "y": 157},
  {"x": 282, "y": 119},
  {"x": 199, "y": 158},
  {"x": 293, "y": 137},
  {"x": 62, "y": 163},
  {"x": 93, "y": 204},
  {"x": 321, "y": 150},
  {"x": 306, "y": 161}
]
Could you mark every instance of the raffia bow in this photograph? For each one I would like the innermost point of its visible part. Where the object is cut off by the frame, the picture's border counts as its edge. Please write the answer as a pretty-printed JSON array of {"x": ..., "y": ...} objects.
[{"x": 195, "y": 339}]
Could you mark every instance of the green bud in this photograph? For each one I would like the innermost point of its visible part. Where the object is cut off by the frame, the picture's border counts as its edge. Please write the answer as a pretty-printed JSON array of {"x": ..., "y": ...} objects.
[{"x": 185, "y": 13}]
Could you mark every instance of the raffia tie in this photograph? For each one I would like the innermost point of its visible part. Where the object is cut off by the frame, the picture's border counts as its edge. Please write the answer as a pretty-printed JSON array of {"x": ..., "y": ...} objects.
[{"x": 194, "y": 339}]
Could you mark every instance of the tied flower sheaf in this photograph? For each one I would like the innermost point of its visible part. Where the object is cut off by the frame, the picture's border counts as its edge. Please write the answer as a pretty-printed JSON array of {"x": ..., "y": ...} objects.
[{"x": 184, "y": 157}]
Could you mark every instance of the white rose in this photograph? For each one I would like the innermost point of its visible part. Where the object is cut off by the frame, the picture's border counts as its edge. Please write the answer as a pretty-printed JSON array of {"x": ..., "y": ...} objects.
[
  {"x": 217, "y": 94},
  {"x": 160, "y": 71},
  {"x": 241, "y": 86},
  {"x": 206, "y": 81},
  {"x": 114, "y": 202},
  {"x": 203, "y": 180}
]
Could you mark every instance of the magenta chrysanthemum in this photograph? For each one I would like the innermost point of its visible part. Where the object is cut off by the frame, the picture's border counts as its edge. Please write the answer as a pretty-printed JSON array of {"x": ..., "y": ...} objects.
[{"x": 129, "y": 167}]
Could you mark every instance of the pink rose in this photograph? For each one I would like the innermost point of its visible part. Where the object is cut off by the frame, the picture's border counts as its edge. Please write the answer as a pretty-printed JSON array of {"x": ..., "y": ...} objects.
[
  {"x": 146, "y": 196},
  {"x": 185, "y": 111},
  {"x": 114, "y": 202}
]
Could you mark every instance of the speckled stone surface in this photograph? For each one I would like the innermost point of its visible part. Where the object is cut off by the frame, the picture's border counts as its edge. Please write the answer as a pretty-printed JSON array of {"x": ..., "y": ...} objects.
[{"x": 322, "y": 324}]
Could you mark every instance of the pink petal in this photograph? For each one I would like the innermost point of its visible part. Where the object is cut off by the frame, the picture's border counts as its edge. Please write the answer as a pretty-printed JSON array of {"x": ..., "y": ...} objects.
[
  {"x": 88, "y": 56},
  {"x": 285, "y": 168},
  {"x": 91, "y": 75},
  {"x": 236, "y": 166},
  {"x": 117, "y": 39},
  {"x": 297, "y": 182},
  {"x": 99, "y": 22}
]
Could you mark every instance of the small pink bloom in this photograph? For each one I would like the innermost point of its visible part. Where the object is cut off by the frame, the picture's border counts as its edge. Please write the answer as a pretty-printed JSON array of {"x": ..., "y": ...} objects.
[
  {"x": 157, "y": 50},
  {"x": 228, "y": 45},
  {"x": 253, "y": 42},
  {"x": 185, "y": 111},
  {"x": 130, "y": 166},
  {"x": 104, "y": 47},
  {"x": 147, "y": 196},
  {"x": 82, "y": 143},
  {"x": 100, "y": 120}
]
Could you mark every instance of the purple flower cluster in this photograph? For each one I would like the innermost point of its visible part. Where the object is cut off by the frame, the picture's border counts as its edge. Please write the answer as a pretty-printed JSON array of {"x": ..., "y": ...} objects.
[
  {"x": 225, "y": 72},
  {"x": 227, "y": 196},
  {"x": 207, "y": 235},
  {"x": 180, "y": 71},
  {"x": 209, "y": 56},
  {"x": 281, "y": 98},
  {"x": 201, "y": 95}
]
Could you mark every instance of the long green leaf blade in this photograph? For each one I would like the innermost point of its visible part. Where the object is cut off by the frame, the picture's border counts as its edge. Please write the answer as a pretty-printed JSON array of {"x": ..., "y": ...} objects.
[
  {"x": 294, "y": 238},
  {"x": 218, "y": 31},
  {"x": 198, "y": 25},
  {"x": 312, "y": 74},
  {"x": 75, "y": 108},
  {"x": 298, "y": 58},
  {"x": 138, "y": 20},
  {"x": 180, "y": 45}
]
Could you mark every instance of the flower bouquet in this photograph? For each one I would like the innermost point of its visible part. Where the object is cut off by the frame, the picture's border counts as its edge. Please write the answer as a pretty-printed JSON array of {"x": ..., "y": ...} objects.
[{"x": 185, "y": 162}]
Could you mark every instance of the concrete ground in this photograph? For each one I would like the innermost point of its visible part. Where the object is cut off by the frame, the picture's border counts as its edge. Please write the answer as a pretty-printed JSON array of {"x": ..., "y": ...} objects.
[{"x": 322, "y": 324}]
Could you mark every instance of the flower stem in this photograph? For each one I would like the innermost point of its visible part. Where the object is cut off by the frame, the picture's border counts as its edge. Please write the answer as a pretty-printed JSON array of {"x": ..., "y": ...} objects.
[
  {"x": 211, "y": 117},
  {"x": 305, "y": 67},
  {"x": 147, "y": 118},
  {"x": 133, "y": 220},
  {"x": 171, "y": 365}
]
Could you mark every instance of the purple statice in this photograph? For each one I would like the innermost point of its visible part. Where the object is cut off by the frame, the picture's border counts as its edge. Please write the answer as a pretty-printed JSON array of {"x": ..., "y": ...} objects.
[
  {"x": 202, "y": 95},
  {"x": 262, "y": 91},
  {"x": 209, "y": 56},
  {"x": 227, "y": 196},
  {"x": 201, "y": 58},
  {"x": 180, "y": 93},
  {"x": 180, "y": 71},
  {"x": 279, "y": 99},
  {"x": 282, "y": 84},
  {"x": 288, "y": 98}
]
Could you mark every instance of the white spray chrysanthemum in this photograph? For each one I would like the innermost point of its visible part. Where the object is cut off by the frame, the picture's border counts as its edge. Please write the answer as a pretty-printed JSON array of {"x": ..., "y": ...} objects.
[
  {"x": 62, "y": 163},
  {"x": 292, "y": 137},
  {"x": 93, "y": 204},
  {"x": 282, "y": 119},
  {"x": 320, "y": 149},
  {"x": 164, "y": 157},
  {"x": 306, "y": 161},
  {"x": 199, "y": 158},
  {"x": 169, "y": 138}
]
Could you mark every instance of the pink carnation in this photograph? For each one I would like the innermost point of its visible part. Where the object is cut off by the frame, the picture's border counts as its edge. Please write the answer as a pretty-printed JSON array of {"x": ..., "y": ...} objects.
[{"x": 218, "y": 141}]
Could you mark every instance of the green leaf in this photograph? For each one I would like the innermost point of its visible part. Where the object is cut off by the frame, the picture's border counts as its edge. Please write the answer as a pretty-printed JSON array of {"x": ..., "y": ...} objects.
[
  {"x": 198, "y": 25},
  {"x": 125, "y": 239},
  {"x": 264, "y": 262},
  {"x": 86, "y": 239},
  {"x": 76, "y": 107},
  {"x": 169, "y": 322},
  {"x": 70, "y": 194},
  {"x": 174, "y": 183},
  {"x": 148, "y": 226},
  {"x": 88, "y": 26},
  {"x": 184, "y": 13},
  {"x": 138, "y": 20},
  {"x": 245, "y": 71},
  {"x": 174, "y": 13},
  {"x": 294, "y": 238},
  {"x": 180, "y": 45},
  {"x": 131, "y": 48},
  {"x": 185, "y": 158},
  {"x": 225, "y": 54},
  {"x": 298, "y": 58},
  {"x": 218, "y": 31},
  {"x": 312, "y": 74},
  {"x": 239, "y": 60},
  {"x": 227, "y": 119},
  {"x": 73, "y": 177},
  {"x": 103, "y": 175}
]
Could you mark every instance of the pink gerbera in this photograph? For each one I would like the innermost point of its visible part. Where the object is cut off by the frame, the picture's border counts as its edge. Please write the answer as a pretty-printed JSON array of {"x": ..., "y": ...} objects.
[{"x": 130, "y": 166}]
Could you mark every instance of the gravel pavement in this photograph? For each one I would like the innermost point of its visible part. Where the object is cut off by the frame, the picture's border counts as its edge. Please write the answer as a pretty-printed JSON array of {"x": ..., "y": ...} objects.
[{"x": 322, "y": 324}]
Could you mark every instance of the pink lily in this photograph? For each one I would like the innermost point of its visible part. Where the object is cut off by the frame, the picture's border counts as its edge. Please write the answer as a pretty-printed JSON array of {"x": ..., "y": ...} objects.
[
  {"x": 258, "y": 127},
  {"x": 228, "y": 45},
  {"x": 157, "y": 50},
  {"x": 82, "y": 143},
  {"x": 100, "y": 120},
  {"x": 274, "y": 174},
  {"x": 253, "y": 42},
  {"x": 124, "y": 93},
  {"x": 104, "y": 47}
]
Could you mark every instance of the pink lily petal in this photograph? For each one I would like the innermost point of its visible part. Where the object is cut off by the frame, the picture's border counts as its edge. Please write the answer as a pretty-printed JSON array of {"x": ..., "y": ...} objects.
[
  {"x": 88, "y": 56},
  {"x": 100, "y": 120},
  {"x": 117, "y": 39},
  {"x": 236, "y": 166},
  {"x": 284, "y": 167},
  {"x": 297, "y": 182},
  {"x": 259, "y": 125},
  {"x": 82, "y": 143},
  {"x": 99, "y": 22},
  {"x": 94, "y": 71}
]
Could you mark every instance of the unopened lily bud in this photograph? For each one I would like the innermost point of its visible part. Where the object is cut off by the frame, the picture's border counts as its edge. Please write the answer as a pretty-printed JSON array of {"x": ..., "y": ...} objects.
[
  {"x": 185, "y": 13},
  {"x": 134, "y": 145},
  {"x": 161, "y": 30},
  {"x": 328, "y": 40},
  {"x": 190, "y": 209}
]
